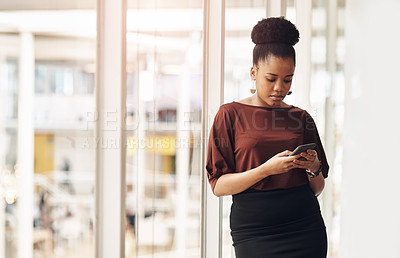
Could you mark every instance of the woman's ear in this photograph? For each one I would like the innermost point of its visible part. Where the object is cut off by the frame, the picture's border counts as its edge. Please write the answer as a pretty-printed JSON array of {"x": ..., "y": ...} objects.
[{"x": 253, "y": 73}]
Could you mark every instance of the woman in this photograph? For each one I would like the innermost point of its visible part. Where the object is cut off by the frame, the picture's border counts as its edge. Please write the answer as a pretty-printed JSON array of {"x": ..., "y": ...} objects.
[{"x": 275, "y": 212}]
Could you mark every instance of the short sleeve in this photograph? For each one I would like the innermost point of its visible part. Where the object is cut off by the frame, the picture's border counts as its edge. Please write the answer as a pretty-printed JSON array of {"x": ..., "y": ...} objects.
[
  {"x": 311, "y": 135},
  {"x": 220, "y": 154}
]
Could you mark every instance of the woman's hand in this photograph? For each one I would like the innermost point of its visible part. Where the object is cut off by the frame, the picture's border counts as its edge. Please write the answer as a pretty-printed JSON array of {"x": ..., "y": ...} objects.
[
  {"x": 280, "y": 163},
  {"x": 233, "y": 183},
  {"x": 310, "y": 161}
]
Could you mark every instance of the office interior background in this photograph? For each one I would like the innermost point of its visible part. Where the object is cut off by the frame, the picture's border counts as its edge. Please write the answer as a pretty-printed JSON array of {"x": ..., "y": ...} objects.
[{"x": 105, "y": 108}]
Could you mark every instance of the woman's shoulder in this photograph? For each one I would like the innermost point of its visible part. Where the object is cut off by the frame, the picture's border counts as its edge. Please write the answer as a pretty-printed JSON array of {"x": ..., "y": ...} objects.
[
  {"x": 299, "y": 109},
  {"x": 228, "y": 107},
  {"x": 227, "y": 110},
  {"x": 234, "y": 109},
  {"x": 230, "y": 111}
]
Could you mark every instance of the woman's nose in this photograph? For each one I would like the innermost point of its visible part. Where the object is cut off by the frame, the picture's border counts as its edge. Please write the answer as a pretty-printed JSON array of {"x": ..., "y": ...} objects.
[{"x": 278, "y": 86}]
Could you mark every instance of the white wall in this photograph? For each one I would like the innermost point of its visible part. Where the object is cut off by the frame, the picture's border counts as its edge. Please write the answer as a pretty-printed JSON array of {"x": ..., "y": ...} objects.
[{"x": 370, "y": 221}]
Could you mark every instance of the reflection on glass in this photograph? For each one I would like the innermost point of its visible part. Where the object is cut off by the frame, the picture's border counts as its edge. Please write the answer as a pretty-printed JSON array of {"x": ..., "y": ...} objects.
[
  {"x": 63, "y": 172},
  {"x": 164, "y": 89}
]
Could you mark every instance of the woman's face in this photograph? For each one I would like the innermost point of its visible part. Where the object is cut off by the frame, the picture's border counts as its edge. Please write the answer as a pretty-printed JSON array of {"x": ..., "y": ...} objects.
[{"x": 273, "y": 80}]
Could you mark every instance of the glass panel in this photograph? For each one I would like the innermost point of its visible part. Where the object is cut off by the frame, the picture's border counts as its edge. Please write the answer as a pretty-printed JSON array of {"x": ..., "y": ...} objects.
[
  {"x": 239, "y": 47},
  {"x": 238, "y": 61},
  {"x": 64, "y": 42},
  {"x": 319, "y": 72},
  {"x": 8, "y": 181},
  {"x": 327, "y": 83},
  {"x": 164, "y": 55}
]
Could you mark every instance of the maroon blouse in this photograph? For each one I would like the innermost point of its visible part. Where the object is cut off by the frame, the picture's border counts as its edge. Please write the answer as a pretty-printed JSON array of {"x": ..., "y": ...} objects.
[{"x": 244, "y": 137}]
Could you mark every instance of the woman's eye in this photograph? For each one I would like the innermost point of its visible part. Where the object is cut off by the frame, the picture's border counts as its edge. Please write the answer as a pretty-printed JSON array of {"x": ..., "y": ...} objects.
[{"x": 285, "y": 81}]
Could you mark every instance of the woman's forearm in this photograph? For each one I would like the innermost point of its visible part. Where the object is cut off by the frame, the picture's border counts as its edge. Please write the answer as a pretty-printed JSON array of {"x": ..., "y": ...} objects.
[
  {"x": 233, "y": 183},
  {"x": 317, "y": 184}
]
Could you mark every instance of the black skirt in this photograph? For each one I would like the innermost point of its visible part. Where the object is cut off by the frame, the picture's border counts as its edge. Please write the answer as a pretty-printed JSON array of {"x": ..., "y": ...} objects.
[{"x": 285, "y": 223}]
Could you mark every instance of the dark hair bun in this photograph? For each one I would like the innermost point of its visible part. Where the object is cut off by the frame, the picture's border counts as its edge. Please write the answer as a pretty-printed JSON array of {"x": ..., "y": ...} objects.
[{"x": 275, "y": 30}]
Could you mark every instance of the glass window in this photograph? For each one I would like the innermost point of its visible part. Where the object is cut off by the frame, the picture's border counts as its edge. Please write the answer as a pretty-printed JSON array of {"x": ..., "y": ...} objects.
[
  {"x": 164, "y": 89},
  {"x": 327, "y": 100},
  {"x": 64, "y": 43},
  {"x": 64, "y": 78}
]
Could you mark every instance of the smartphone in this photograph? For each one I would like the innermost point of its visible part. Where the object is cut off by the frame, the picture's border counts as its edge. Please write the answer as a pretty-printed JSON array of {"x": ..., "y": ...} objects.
[{"x": 303, "y": 148}]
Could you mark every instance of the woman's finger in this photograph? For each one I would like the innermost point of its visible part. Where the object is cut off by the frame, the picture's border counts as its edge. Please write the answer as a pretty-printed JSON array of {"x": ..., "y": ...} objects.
[
  {"x": 307, "y": 156},
  {"x": 312, "y": 153},
  {"x": 302, "y": 163},
  {"x": 284, "y": 153}
]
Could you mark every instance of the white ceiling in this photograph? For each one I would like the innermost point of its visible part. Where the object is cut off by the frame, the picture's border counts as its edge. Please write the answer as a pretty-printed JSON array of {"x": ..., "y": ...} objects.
[
  {"x": 71, "y": 34},
  {"x": 133, "y": 4}
]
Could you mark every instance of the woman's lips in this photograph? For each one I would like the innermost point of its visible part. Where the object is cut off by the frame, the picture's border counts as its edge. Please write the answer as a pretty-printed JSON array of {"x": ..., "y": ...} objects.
[{"x": 276, "y": 97}]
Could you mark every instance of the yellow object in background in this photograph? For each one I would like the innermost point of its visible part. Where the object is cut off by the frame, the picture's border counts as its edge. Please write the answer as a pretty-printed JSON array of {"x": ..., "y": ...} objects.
[
  {"x": 44, "y": 153},
  {"x": 160, "y": 144}
]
